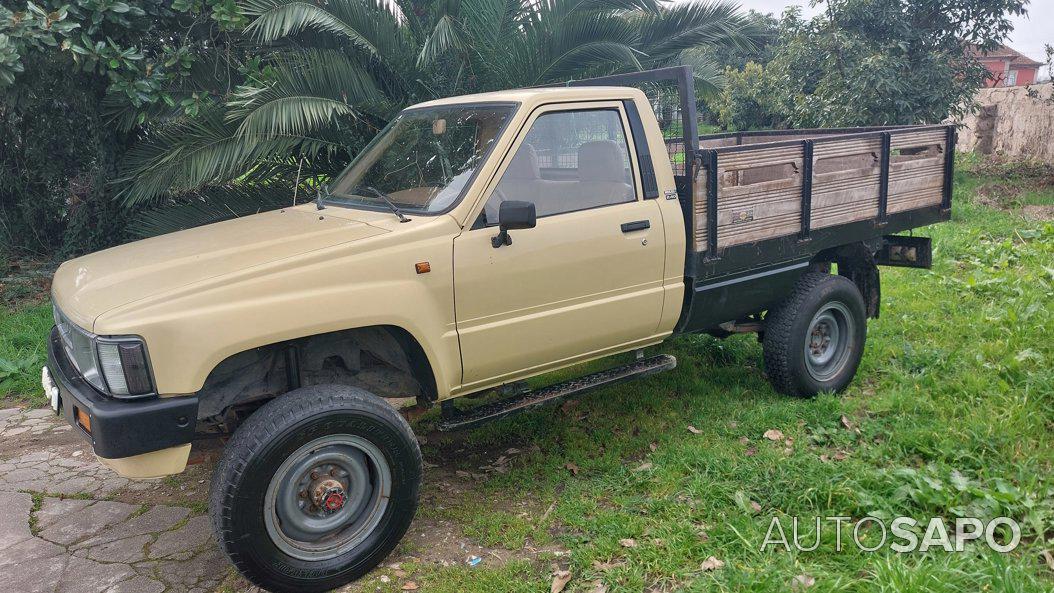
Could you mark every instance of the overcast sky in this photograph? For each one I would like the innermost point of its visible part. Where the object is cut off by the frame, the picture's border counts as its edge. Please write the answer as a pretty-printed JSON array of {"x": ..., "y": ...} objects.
[{"x": 1030, "y": 32}]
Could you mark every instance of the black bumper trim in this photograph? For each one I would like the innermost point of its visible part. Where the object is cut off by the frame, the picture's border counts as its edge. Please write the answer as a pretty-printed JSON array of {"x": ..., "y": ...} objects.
[{"x": 120, "y": 428}]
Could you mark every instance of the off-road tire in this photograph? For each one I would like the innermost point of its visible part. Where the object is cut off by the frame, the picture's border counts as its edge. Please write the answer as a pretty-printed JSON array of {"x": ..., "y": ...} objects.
[
  {"x": 787, "y": 329},
  {"x": 260, "y": 446}
]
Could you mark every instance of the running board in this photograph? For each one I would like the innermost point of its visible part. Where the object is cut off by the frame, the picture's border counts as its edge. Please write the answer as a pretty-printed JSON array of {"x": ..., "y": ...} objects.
[{"x": 554, "y": 393}]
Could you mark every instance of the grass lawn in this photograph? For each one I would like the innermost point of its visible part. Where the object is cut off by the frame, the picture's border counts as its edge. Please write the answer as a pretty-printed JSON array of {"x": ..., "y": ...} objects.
[{"x": 951, "y": 415}]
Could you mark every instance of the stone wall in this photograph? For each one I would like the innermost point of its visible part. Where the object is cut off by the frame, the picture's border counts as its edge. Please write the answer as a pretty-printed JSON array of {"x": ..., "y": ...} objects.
[{"x": 1011, "y": 123}]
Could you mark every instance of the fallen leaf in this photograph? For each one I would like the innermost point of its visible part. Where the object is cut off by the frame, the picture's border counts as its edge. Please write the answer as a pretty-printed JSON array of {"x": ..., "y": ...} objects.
[
  {"x": 1048, "y": 557},
  {"x": 598, "y": 587},
  {"x": 694, "y": 430},
  {"x": 755, "y": 506},
  {"x": 400, "y": 573},
  {"x": 653, "y": 446},
  {"x": 846, "y": 423},
  {"x": 840, "y": 456},
  {"x": 512, "y": 451},
  {"x": 643, "y": 467},
  {"x": 568, "y": 405},
  {"x": 409, "y": 586},
  {"x": 606, "y": 566},
  {"x": 773, "y": 434},
  {"x": 572, "y": 468},
  {"x": 560, "y": 580},
  {"x": 385, "y": 579},
  {"x": 802, "y": 581},
  {"x": 750, "y": 452},
  {"x": 711, "y": 563},
  {"x": 658, "y": 542},
  {"x": 824, "y": 458},
  {"x": 744, "y": 440},
  {"x": 628, "y": 542},
  {"x": 733, "y": 424}
]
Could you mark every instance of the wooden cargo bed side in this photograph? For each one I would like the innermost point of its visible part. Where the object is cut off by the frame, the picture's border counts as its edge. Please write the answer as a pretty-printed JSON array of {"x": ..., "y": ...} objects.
[
  {"x": 791, "y": 187},
  {"x": 762, "y": 211}
]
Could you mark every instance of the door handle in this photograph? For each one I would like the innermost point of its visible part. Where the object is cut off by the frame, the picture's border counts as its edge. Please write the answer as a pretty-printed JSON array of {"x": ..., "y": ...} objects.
[{"x": 636, "y": 225}]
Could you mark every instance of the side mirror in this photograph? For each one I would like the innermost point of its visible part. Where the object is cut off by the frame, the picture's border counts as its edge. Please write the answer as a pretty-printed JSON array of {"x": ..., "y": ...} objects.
[{"x": 513, "y": 214}]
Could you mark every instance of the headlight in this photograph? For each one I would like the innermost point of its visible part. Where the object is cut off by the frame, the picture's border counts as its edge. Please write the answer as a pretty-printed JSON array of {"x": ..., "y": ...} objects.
[
  {"x": 114, "y": 365},
  {"x": 124, "y": 366}
]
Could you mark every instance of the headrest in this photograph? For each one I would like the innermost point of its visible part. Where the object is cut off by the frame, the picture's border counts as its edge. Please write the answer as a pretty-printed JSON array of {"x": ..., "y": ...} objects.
[
  {"x": 524, "y": 164},
  {"x": 600, "y": 160}
]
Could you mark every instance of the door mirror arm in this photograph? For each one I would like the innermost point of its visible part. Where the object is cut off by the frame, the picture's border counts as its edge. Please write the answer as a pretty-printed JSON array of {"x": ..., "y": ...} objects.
[{"x": 513, "y": 214}]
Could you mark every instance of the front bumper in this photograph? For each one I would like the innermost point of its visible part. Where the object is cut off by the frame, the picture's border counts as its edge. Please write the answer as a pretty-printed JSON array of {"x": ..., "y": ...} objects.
[{"x": 119, "y": 428}]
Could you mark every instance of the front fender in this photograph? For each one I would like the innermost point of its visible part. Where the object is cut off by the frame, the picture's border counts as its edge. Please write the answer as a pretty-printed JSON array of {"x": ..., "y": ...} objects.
[{"x": 365, "y": 283}]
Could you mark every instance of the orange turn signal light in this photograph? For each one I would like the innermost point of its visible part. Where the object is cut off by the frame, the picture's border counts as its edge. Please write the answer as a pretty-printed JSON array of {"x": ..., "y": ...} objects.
[
  {"x": 423, "y": 267},
  {"x": 83, "y": 419}
]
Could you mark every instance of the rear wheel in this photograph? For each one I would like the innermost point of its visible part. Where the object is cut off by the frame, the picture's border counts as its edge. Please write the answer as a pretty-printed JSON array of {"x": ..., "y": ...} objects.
[
  {"x": 315, "y": 488},
  {"x": 814, "y": 340}
]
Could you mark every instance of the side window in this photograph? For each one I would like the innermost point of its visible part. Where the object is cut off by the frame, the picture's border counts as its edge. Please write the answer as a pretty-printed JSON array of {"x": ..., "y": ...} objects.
[{"x": 568, "y": 161}]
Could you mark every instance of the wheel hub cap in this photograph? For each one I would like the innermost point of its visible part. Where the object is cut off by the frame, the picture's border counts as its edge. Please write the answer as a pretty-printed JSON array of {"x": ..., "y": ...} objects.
[
  {"x": 827, "y": 344},
  {"x": 327, "y": 497}
]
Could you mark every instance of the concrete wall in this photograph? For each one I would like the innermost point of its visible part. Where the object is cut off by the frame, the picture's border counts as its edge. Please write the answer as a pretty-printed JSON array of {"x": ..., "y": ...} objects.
[{"x": 1011, "y": 123}]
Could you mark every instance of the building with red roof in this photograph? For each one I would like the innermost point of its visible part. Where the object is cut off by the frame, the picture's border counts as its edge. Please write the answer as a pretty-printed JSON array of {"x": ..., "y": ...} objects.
[{"x": 1009, "y": 67}]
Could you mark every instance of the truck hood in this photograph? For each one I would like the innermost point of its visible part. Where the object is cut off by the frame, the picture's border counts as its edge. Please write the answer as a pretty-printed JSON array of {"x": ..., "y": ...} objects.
[{"x": 86, "y": 287}]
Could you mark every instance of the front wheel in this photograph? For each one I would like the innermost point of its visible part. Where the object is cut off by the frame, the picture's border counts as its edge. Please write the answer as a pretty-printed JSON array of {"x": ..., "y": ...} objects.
[
  {"x": 814, "y": 340},
  {"x": 315, "y": 488}
]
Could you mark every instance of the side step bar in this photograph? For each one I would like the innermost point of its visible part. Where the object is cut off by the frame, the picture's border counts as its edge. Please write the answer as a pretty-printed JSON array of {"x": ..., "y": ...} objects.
[{"x": 554, "y": 393}]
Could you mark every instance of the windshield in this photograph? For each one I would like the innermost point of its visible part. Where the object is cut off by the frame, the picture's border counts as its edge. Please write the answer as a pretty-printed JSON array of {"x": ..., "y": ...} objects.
[{"x": 423, "y": 160}]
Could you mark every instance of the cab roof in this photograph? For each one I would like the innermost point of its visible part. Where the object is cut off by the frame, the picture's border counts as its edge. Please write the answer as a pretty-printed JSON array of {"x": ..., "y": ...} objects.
[{"x": 534, "y": 96}]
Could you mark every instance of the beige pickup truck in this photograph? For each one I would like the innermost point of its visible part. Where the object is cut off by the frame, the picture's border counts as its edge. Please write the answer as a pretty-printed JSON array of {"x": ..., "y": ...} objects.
[{"x": 476, "y": 242}]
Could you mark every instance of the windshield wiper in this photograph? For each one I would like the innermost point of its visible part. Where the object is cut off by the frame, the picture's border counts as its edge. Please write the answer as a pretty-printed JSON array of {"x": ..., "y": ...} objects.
[{"x": 387, "y": 200}]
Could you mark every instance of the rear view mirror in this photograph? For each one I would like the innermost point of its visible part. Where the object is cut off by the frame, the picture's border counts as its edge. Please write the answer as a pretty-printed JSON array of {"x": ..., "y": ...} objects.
[{"x": 513, "y": 214}]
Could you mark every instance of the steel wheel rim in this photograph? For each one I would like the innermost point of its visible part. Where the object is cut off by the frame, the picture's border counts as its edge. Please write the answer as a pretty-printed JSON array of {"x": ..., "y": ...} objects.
[
  {"x": 348, "y": 485},
  {"x": 827, "y": 341}
]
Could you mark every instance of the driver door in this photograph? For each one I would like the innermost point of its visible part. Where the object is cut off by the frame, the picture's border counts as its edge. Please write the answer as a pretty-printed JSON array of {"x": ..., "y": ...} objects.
[{"x": 587, "y": 280}]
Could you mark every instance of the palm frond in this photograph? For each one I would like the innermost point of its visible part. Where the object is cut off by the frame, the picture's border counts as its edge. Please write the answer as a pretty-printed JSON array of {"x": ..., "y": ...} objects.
[
  {"x": 666, "y": 33},
  {"x": 445, "y": 38},
  {"x": 308, "y": 91},
  {"x": 189, "y": 153},
  {"x": 370, "y": 25}
]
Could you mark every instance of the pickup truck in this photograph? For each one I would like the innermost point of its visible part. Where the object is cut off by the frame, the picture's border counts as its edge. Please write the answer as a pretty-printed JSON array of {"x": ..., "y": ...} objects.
[{"x": 478, "y": 241}]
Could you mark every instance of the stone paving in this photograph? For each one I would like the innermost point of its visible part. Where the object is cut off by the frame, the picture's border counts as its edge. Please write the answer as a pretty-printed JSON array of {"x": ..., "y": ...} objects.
[
  {"x": 70, "y": 525},
  {"x": 91, "y": 542}
]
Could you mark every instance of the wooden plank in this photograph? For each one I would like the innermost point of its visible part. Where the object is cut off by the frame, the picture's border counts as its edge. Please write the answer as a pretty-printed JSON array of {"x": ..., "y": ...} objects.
[
  {"x": 699, "y": 208},
  {"x": 908, "y": 139}
]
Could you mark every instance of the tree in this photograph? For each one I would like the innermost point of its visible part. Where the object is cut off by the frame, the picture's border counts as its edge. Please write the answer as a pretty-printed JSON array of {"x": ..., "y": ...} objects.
[
  {"x": 871, "y": 62},
  {"x": 331, "y": 74},
  {"x": 67, "y": 69}
]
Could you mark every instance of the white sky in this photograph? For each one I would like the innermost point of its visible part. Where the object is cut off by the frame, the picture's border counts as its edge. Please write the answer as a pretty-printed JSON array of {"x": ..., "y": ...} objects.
[{"x": 1030, "y": 32}]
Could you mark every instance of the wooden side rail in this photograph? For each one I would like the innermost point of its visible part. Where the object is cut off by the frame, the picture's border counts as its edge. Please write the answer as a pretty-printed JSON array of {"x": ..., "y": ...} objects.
[{"x": 756, "y": 191}]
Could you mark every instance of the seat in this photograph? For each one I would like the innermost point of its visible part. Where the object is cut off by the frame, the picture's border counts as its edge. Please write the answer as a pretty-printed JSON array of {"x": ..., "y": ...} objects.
[{"x": 601, "y": 176}]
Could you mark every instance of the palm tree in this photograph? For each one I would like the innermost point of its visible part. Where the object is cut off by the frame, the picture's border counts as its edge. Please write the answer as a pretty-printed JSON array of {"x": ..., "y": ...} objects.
[{"x": 330, "y": 73}]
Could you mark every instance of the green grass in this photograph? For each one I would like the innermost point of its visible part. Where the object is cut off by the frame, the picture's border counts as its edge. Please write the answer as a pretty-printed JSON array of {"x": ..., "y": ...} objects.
[
  {"x": 951, "y": 414},
  {"x": 23, "y": 336}
]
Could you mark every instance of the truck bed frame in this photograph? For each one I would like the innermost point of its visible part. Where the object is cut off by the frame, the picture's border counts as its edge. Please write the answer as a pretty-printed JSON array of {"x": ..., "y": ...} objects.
[{"x": 761, "y": 206}]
